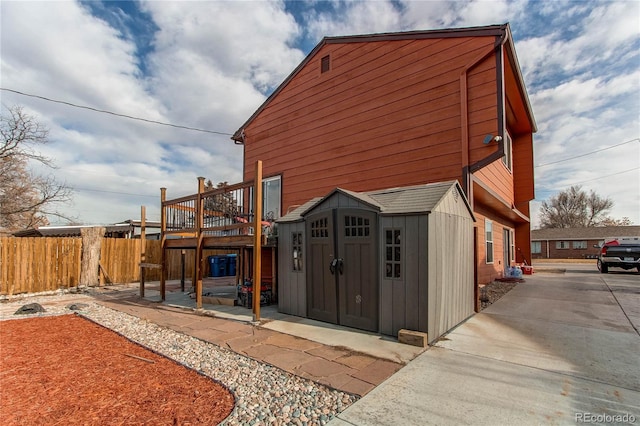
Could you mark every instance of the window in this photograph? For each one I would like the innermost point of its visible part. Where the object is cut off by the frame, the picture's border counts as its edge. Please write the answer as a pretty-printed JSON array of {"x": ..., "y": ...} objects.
[
  {"x": 320, "y": 228},
  {"x": 536, "y": 247},
  {"x": 393, "y": 253},
  {"x": 562, "y": 245},
  {"x": 271, "y": 197},
  {"x": 296, "y": 250},
  {"x": 507, "y": 159},
  {"x": 488, "y": 236},
  {"x": 579, "y": 244},
  {"x": 325, "y": 64},
  {"x": 355, "y": 226},
  {"x": 271, "y": 193}
]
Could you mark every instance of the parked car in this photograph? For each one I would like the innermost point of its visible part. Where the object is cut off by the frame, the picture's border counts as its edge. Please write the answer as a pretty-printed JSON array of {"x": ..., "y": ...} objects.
[{"x": 620, "y": 252}]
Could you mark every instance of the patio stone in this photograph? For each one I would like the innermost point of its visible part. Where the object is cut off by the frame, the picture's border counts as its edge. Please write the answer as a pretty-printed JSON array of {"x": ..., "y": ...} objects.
[
  {"x": 321, "y": 368},
  {"x": 328, "y": 352},
  {"x": 292, "y": 342},
  {"x": 378, "y": 371},
  {"x": 359, "y": 362},
  {"x": 357, "y": 386},
  {"x": 289, "y": 360}
]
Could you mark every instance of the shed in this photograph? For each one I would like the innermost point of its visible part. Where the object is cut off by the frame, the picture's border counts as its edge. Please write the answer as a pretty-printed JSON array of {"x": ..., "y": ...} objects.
[{"x": 382, "y": 261}]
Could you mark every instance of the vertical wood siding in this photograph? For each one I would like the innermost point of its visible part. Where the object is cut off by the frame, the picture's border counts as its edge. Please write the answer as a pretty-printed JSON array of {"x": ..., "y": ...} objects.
[
  {"x": 403, "y": 301},
  {"x": 450, "y": 271}
]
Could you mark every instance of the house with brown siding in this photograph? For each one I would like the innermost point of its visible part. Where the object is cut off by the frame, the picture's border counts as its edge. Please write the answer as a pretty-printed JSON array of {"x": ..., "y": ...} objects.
[
  {"x": 575, "y": 243},
  {"x": 377, "y": 111}
]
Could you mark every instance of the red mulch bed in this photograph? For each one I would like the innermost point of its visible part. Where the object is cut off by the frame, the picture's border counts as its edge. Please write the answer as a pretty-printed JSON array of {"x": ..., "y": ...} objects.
[{"x": 66, "y": 370}]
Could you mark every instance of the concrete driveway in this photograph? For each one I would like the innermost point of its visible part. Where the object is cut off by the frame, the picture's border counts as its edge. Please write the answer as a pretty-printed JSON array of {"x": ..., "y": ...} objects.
[{"x": 558, "y": 349}]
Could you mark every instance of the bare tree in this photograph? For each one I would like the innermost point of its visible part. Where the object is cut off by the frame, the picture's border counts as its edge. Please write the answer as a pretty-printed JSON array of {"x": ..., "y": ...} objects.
[
  {"x": 26, "y": 199},
  {"x": 574, "y": 208}
]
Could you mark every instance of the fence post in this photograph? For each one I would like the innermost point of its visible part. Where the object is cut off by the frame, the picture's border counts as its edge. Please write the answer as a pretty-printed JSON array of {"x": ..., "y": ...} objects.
[
  {"x": 199, "y": 236},
  {"x": 163, "y": 241},
  {"x": 143, "y": 248},
  {"x": 91, "y": 242}
]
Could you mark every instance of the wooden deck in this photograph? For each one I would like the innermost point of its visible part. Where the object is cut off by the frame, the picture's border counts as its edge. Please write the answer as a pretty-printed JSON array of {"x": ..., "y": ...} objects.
[{"x": 222, "y": 217}]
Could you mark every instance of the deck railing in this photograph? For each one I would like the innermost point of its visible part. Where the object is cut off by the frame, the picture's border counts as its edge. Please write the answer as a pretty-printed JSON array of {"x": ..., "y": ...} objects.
[
  {"x": 223, "y": 211},
  {"x": 231, "y": 212}
]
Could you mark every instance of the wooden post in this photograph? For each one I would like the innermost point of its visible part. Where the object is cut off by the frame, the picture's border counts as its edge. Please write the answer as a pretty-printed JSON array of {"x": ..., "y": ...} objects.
[
  {"x": 274, "y": 274},
  {"x": 143, "y": 246},
  {"x": 257, "y": 241},
  {"x": 182, "y": 265},
  {"x": 197, "y": 272},
  {"x": 163, "y": 241},
  {"x": 90, "y": 266}
]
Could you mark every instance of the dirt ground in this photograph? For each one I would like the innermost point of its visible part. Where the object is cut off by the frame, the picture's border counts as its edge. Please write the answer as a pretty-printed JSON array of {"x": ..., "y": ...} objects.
[
  {"x": 492, "y": 292},
  {"x": 86, "y": 374}
]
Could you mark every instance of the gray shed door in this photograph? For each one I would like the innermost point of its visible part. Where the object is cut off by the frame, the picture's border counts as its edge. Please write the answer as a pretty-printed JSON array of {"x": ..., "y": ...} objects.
[
  {"x": 342, "y": 254},
  {"x": 322, "y": 302}
]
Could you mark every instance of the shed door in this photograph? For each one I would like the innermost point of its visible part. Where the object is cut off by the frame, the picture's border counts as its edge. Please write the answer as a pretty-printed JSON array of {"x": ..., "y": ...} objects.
[
  {"x": 322, "y": 302},
  {"x": 342, "y": 280},
  {"x": 357, "y": 278}
]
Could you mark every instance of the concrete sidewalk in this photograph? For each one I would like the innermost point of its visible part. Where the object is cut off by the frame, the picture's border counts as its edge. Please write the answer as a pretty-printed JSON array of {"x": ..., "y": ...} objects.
[{"x": 555, "y": 350}]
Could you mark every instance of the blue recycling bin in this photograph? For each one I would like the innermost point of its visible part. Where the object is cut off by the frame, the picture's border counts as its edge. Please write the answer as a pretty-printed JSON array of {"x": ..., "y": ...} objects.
[
  {"x": 217, "y": 266},
  {"x": 231, "y": 265}
]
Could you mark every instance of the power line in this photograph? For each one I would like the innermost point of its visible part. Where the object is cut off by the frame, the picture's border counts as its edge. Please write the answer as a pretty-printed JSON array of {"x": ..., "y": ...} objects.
[
  {"x": 177, "y": 126},
  {"x": 588, "y": 153},
  {"x": 602, "y": 177},
  {"x": 115, "y": 192}
]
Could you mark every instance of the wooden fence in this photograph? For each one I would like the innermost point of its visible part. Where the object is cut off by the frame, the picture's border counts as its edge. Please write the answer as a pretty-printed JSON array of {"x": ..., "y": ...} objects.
[{"x": 32, "y": 265}]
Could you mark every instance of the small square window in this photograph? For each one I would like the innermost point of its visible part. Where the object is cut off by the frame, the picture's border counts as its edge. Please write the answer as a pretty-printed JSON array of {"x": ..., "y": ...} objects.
[
  {"x": 393, "y": 250},
  {"x": 325, "y": 64}
]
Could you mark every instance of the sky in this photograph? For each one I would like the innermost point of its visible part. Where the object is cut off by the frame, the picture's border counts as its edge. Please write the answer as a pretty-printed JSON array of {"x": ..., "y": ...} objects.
[{"x": 209, "y": 65}]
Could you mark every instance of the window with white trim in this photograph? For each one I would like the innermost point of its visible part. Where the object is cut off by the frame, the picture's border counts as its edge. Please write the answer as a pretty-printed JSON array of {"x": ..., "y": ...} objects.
[
  {"x": 536, "y": 247},
  {"x": 271, "y": 198},
  {"x": 579, "y": 244},
  {"x": 507, "y": 159},
  {"x": 488, "y": 236},
  {"x": 561, "y": 245},
  {"x": 271, "y": 193}
]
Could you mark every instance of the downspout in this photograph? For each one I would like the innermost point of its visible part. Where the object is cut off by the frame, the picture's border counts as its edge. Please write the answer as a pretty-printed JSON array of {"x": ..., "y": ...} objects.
[{"x": 469, "y": 169}]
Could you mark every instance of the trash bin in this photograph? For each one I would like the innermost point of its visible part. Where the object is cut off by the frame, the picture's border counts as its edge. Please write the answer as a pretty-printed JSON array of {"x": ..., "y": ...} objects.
[
  {"x": 231, "y": 264},
  {"x": 217, "y": 266}
]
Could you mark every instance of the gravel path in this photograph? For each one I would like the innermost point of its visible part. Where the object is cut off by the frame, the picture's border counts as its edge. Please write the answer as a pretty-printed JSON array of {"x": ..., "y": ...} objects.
[{"x": 265, "y": 395}]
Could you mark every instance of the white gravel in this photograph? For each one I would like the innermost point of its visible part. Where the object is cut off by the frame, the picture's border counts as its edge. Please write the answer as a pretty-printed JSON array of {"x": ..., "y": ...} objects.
[{"x": 265, "y": 395}]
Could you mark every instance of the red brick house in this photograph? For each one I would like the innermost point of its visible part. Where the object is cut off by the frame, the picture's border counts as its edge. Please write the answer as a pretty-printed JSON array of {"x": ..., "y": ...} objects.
[
  {"x": 575, "y": 243},
  {"x": 389, "y": 110}
]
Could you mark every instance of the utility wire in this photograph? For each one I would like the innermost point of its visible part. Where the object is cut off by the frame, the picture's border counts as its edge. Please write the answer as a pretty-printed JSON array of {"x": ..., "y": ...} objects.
[
  {"x": 116, "y": 114},
  {"x": 588, "y": 153},
  {"x": 602, "y": 177},
  {"x": 114, "y": 192}
]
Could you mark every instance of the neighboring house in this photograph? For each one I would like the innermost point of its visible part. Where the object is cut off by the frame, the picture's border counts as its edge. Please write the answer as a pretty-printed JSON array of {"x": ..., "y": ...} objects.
[
  {"x": 377, "y": 111},
  {"x": 127, "y": 229},
  {"x": 575, "y": 243}
]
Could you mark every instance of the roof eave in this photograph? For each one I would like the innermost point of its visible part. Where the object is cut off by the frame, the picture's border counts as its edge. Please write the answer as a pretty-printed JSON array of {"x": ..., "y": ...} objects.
[
  {"x": 482, "y": 31},
  {"x": 513, "y": 58}
]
